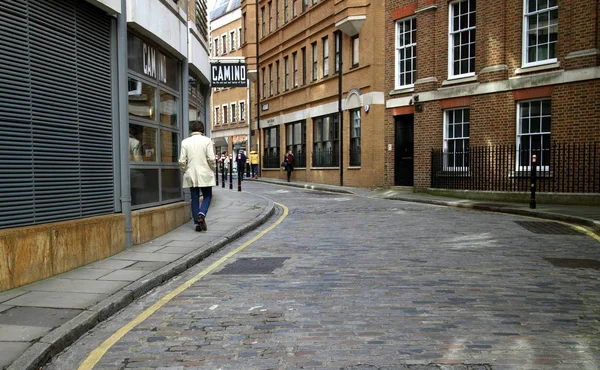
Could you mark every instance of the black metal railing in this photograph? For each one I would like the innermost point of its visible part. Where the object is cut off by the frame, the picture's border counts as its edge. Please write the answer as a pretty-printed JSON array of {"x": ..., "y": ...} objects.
[
  {"x": 355, "y": 156},
  {"x": 299, "y": 159},
  {"x": 272, "y": 159},
  {"x": 326, "y": 158},
  {"x": 562, "y": 168}
]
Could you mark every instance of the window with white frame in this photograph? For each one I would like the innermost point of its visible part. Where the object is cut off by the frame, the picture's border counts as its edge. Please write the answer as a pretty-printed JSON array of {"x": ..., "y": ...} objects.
[
  {"x": 540, "y": 31},
  {"x": 355, "y": 50},
  {"x": 286, "y": 74},
  {"x": 262, "y": 20},
  {"x": 224, "y": 43},
  {"x": 456, "y": 138},
  {"x": 233, "y": 113},
  {"x": 270, "y": 79},
  {"x": 278, "y": 84},
  {"x": 461, "y": 61},
  {"x": 406, "y": 48},
  {"x": 239, "y": 38},
  {"x": 337, "y": 47},
  {"x": 294, "y": 7},
  {"x": 325, "y": 56},
  {"x": 225, "y": 114},
  {"x": 242, "y": 110},
  {"x": 295, "y": 68},
  {"x": 217, "y": 112},
  {"x": 315, "y": 71},
  {"x": 355, "y": 121},
  {"x": 232, "y": 40},
  {"x": 264, "y": 83},
  {"x": 216, "y": 45},
  {"x": 533, "y": 133}
]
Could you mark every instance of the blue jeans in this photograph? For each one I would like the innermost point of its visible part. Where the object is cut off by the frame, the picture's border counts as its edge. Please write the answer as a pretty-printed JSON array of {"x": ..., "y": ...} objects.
[
  {"x": 198, "y": 208},
  {"x": 254, "y": 170}
]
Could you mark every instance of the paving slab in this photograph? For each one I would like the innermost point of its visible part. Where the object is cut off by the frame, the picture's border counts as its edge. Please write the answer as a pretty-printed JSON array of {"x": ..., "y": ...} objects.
[
  {"x": 147, "y": 266},
  {"x": 148, "y": 257},
  {"x": 86, "y": 273},
  {"x": 4, "y": 307},
  {"x": 77, "y": 286},
  {"x": 10, "y": 351},
  {"x": 57, "y": 299},
  {"x": 10, "y": 294},
  {"x": 21, "y": 333},
  {"x": 125, "y": 275},
  {"x": 151, "y": 248},
  {"x": 111, "y": 264},
  {"x": 178, "y": 250},
  {"x": 37, "y": 316}
]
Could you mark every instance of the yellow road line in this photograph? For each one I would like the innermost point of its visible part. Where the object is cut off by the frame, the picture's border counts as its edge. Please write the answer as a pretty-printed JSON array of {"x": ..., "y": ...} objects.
[{"x": 96, "y": 354}]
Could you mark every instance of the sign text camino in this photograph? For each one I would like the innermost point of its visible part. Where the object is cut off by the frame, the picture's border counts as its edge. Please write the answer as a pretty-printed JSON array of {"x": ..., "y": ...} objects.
[{"x": 228, "y": 74}]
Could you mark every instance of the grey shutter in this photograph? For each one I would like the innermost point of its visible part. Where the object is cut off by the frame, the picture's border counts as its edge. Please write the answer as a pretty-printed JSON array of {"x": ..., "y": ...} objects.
[{"x": 55, "y": 112}]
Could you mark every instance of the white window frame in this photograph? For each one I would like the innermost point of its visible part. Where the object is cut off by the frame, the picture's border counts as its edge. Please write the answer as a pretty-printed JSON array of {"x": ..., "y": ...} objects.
[
  {"x": 456, "y": 138},
  {"x": 355, "y": 51},
  {"x": 399, "y": 48},
  {"x": 527, "y": 167},
  {"x": 216, "y": 45},
  {"x": 224, "y": 43},
  {"x": 232, "y": 43},
  {"x": 286, "y": 73},
  {"x": 271, "y": 80},
  {"x": 224, "y": 114},
  {"x": 217, "y": 121},
  {"x": 526, "y": 18},
  {"x": 239, "y": 41},
  {"x": 295, "y": 68},
  {"x": 325, "y": 42},
  {"x": 242, "y": 105},
  {"x": 451, "y": 35},
  {"x": 233, "y": 112}
]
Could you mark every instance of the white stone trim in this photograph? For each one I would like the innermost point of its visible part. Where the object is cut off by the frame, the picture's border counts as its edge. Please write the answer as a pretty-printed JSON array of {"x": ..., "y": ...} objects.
[{"x": 582, "y": 53}]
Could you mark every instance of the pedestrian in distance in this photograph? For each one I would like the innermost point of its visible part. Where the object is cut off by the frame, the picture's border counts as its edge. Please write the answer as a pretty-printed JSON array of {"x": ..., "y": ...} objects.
[
  {"x": 197, "y": 162},
  {"x": 225, "y": 162},
  {"x": 254, "y": 163},
  {"x": 289, "y": 164},
  {"x": 241, "y": 163}
]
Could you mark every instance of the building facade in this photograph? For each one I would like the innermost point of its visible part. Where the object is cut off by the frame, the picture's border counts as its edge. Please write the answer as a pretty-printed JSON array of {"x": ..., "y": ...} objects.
[
  {"x": 229, "y": 105},
  {"x": 475, "y": 89},
  {"x": 96, "y": 97},
  {"x": 320, "y": 89}
]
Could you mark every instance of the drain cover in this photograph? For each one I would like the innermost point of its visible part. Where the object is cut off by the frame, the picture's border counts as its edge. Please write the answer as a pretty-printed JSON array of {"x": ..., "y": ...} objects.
[
  {"x": 574, "y": 263},
  {"x": 253, "y": 266},
  {"x": 542, "y": 227}
]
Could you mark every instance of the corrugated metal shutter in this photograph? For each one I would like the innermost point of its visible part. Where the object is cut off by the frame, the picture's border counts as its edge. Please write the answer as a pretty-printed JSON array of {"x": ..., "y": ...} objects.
[{"x": 55, "y": 112}]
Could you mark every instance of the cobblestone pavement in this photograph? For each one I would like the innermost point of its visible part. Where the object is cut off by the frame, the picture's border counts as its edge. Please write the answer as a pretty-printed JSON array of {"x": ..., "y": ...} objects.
[{"x": 373, "y": 284}]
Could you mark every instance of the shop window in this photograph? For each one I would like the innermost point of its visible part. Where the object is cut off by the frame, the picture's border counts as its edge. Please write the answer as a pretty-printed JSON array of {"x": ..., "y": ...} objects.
[
  {"x": 296, "y": 142},
  {"x": 326, "y": 141}
]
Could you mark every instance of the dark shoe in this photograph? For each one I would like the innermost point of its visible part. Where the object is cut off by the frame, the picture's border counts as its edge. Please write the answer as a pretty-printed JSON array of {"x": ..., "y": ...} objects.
[
  {"x": 202, "y": 223},
  {"x": 198, "y": 228}
]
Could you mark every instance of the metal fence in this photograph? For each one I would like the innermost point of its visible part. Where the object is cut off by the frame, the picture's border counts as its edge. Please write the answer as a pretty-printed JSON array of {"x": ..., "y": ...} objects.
[
  {"x": 272, "y": 160},
  {"x": 562, "y": 168},
  {"x": 355, "y": 156},
  {"x": 326, "y": 158}
]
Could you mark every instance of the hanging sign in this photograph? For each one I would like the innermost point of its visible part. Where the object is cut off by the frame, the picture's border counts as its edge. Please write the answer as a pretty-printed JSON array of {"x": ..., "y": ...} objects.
[{"x": 228, "y": 74}]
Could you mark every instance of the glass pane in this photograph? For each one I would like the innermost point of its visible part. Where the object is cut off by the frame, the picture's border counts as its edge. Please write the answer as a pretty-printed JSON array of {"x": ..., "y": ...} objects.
[
  {"x": 457, "y": 130},
  {"x": 546, "y": 124},
  {"x": 171, "y": 184},
  {"x": 142, "y": 143},
  {"x": 535, "y": 124},
  {"x": 142, "y": 102},
  {"x": 168, "y": 109},
  {"x": 536, "y": 108},
  {"x": 169, "y": 146},
  {"x": 546, "y": 107},
  {"x": 525, "y": 125},
  {"x": 171, "y": 66},
  {"x": 144, "y": 186},
  {"x": 450, "y": 131},
  {"x": 458, "y": 116},
  {"x": 297, "y": 133}
]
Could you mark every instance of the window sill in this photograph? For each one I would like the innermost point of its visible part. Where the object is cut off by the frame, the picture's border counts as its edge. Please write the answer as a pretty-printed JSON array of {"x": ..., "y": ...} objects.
[
  {"x": 459, "y": 80},
  {"x": 353, "y": 168},
  {"x": 402, "y": 91},
  {"x": 324, "y": 168},
  {"x": 537, "y": 68}
]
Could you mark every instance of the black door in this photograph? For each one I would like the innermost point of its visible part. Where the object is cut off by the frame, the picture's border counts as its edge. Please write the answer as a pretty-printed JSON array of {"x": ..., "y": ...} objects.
[{"x": 404, "y": 164}]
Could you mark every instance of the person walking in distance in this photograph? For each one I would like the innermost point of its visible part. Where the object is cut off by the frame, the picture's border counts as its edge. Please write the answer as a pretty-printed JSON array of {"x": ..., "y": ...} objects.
[
  {"x": 197, "y": 162},
  {"x": 254, "y": 163},
  {"x": 241, "y": 163},
  {"x": 289, "y": 160}
]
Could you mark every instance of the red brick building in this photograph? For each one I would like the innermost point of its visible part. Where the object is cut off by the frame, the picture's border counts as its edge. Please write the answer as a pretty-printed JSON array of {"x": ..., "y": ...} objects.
[{"x": 492, "y": 83}]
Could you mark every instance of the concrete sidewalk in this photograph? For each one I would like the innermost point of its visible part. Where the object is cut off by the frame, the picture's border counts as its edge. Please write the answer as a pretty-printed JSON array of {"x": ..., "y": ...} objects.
[
  {"x": 582, "y": 215},
  {"x": 41, "y": 319}
]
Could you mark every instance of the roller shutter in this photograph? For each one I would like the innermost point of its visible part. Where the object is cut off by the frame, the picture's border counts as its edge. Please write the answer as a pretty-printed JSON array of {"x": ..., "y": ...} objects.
[{"x": 56, "y": 149}]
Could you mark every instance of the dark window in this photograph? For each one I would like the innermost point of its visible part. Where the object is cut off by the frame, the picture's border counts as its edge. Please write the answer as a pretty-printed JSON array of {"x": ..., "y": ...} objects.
[
  {"x": 271, "y": 154},
  {"x": 355, "y": 127},
  {"x": 326, "y": 141},
  {"x": 296, "y": 141},
  {"x": 303, "y": 66}
]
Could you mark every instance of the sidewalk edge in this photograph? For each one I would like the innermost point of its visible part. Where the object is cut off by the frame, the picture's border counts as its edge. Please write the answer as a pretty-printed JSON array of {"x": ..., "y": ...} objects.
[{"x": 38, "y": 354}]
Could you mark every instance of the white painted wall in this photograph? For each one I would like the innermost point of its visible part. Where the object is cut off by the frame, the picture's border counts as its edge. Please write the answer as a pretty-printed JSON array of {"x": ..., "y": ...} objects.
[
  {"x": 198, "y": 58},
  {"x": 164, "y": 25},
  {"x": 112, "y": 7}
]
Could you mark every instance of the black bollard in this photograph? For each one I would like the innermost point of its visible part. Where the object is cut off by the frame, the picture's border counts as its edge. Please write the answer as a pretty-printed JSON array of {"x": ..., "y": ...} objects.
[
  {"x": 248, "y": 175},
  {"x": 217, "y": 171},
  {"x": 239, "y": 181},
  {"x": 230, "y": 172},
  {"x": 532, "y": 204},
  {"x": 223, "y": 174}
]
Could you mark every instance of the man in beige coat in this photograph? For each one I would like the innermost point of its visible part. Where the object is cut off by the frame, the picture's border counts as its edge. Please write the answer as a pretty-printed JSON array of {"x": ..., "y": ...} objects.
[{"x": 197, "y": 162}]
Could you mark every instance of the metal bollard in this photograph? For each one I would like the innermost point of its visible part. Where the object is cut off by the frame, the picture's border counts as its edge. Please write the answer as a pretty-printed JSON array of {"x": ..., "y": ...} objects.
[
  {"x": 217, "y": 170},
  {"x": 230, "y": 172},
  {"x": 533, "y": 180},
  {"x": 223, "y": 174},
  {"x": 239, "y": 181}
]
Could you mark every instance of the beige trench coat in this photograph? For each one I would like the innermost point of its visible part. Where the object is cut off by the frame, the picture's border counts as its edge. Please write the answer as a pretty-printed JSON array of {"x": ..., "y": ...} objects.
[{"x": 197, "y": 161}]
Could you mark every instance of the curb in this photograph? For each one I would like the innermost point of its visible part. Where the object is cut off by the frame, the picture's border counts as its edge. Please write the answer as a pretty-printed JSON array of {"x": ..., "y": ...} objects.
[
  {"x": 594, "y": 225},
  {"x": 38, "y": 354},
  {"x": 307, "y": 187}
]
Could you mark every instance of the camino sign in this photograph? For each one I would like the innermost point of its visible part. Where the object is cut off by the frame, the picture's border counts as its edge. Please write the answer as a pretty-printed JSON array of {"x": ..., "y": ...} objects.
[{"x": 228, "y": 74}]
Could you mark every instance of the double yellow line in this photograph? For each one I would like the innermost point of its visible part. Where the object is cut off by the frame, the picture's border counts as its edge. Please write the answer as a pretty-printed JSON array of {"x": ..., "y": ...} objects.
[{"x": 97, "y": 354}]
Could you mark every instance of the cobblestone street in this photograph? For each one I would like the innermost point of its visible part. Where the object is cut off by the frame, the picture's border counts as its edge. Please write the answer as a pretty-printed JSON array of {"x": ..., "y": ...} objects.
[{"x": 364, "y": 283}]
